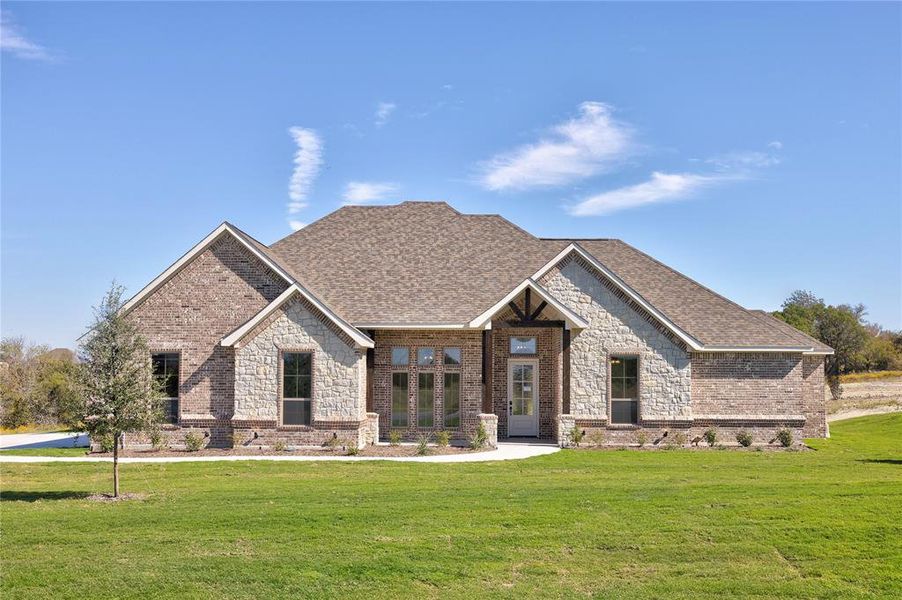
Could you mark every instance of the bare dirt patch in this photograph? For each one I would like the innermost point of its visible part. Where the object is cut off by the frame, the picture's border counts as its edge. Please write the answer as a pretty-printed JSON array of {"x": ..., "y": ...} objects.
[
  {"x": 868, "y": 396},
  {"x": 112, "y": 498}
]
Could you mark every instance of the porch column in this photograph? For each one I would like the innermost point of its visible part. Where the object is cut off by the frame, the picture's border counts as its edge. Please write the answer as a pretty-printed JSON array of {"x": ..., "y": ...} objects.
[{"x": 487, "y": 406}]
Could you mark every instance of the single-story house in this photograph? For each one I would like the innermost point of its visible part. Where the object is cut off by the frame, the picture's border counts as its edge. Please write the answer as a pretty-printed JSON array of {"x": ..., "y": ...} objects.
[{"x": 415, "y": 318}]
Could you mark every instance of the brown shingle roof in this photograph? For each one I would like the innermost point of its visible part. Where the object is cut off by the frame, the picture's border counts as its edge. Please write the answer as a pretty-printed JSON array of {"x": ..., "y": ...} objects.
[
  {"x": 426, "y": 263},
  {"x": 415, "y": 262}
]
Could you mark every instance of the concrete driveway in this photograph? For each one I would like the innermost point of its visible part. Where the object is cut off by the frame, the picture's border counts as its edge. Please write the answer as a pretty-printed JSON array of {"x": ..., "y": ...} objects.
[{"x": 64, "y": 439}]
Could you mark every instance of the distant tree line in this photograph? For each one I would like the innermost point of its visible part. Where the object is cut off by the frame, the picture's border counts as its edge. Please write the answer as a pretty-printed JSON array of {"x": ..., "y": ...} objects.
[
  {"x": 858, "y": 344},
  {"x": 38, "y": 386}
]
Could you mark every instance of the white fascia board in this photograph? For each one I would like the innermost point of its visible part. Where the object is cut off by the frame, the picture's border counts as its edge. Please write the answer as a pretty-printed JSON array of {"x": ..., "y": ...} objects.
[
  {"x": 757, "y": 349},
  {"x": 574, "y": 321},
  {"x": 188, "y": 256},
  {"x": 410, "y": 325},
  {"x": 690, "y": 341},
  {"x": 236, "y": 336}
]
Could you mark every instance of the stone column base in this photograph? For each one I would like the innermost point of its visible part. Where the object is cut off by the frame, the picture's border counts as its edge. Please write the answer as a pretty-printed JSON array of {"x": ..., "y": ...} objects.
[
  {"x": 565, "y": 425},
  {"x": 371, "y": 429},
  {"x": 490, "y": 423}
]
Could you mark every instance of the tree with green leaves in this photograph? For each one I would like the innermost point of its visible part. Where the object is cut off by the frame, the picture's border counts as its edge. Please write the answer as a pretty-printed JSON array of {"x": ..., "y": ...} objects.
[{"x": 119, "y": 392}]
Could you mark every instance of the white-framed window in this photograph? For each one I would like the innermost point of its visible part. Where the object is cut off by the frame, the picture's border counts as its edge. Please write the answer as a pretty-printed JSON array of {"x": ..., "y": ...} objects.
[
  {"x": 399, "y": 395},
  {"x": 166, "y": 371},
  {"x": 425, "y": 357},
  {"x": 400, "y": 357},
  {"x": 451, "y": 357},
  {"x": 624, "y": 390},
  {"x": 523, "y": 345},
  {"x": 297, "y": 384}
]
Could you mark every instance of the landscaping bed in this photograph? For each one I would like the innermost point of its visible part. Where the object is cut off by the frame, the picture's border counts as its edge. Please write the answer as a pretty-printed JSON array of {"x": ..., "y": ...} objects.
[{"x": 372, "y": 450}]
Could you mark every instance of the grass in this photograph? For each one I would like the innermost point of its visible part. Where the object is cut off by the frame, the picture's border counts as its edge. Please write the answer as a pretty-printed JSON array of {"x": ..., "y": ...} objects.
[
  {"x": 31, "y": 428},
  {"x": 45, "y": 451},
  {"x": 614, "y": 524},
  {"x": 868, "y": 376}
]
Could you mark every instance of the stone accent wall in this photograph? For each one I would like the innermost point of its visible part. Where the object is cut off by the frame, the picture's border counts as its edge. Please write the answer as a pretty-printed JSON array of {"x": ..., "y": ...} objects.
[
  {"x": 223, "y": 287},
  {"x": 618, "y": 327},
  {"x": 338, "y": 390},
  {"x": 470, "y": 343},
  {"x": 550, "y": 356}
]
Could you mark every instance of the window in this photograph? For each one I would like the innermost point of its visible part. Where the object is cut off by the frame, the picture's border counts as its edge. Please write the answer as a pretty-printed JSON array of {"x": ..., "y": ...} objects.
[
  {"x": 452, "y": 400},
  {"x": 624, "y": 390},
  {"x": 425, "y": 357},
  {"x": 400, "y": 357},
  {"x": 399, "y": 399},
  {"x": 523, "y": 345},
  {"x": 166, "y": 372},
  {"x": 425, "y": 399},
  {"x": 451, "y": 357},
  {"x": 297, "y": 376}
]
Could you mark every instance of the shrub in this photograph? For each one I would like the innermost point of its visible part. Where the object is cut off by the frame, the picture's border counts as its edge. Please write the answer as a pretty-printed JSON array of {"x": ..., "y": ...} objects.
[
  {"x": 333, "y": 442},
  {"x": 596, "y": 438},
  {"x": 442, "y": 439},
  {"x": 784, "y": 436},
  {"x": 351, "y": 447},
  {"x": 744, "y": 438},
  {"x": 423, "y": 445},
  {"x": 106, "y": 443},
  {"x": 156, "y": 439},
  {"x": 237, "y": 439},
  {"x": 279, "y": 446},
  {"x": 710, "y": 436},
  {"x": 641, "y": 438},
  {"x": 676, "y": 439},
  {"x": 576, "y": 436},
  {"x": 394, "y": 438},
  {"x": 193, "y": 441},
  {"x": 480, "y": 438}
]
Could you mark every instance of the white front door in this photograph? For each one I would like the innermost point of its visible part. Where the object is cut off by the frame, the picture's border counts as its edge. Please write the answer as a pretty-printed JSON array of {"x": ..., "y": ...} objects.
[{"x": 523, "y": 398}]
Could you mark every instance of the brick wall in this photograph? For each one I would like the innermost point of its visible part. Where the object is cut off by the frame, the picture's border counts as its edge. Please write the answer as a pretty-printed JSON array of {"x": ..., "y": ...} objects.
[
  {"x": 745, "y": 385},
  {"x": 814, "y": 405},
  {"x": 549, "y": 354},
  {"x": 207, "y": 299},
  {"x": 470, "y": 343}
]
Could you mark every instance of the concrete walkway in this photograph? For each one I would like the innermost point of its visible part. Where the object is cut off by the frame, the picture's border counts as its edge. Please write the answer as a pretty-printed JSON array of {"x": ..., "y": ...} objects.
[
  {"x": 505, "y": 451},
  {"x": 59, "y": 439}
]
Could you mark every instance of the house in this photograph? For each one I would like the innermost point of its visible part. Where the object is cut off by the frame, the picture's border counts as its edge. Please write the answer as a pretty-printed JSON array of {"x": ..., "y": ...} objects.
[{"x": 416, "y": 318}]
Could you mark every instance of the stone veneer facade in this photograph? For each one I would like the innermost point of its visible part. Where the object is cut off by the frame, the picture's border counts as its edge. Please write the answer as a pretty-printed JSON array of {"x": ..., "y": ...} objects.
[
  {"x": 338, "y": 388},
  {"x": 617, "y": 328}
]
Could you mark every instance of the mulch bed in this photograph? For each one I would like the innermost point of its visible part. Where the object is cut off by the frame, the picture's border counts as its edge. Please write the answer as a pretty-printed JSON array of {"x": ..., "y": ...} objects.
[{"x": 376, "y": 450}]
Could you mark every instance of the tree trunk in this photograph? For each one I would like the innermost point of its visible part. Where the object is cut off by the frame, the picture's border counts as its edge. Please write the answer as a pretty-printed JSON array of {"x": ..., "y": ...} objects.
[{"x": 116, "y": 465}]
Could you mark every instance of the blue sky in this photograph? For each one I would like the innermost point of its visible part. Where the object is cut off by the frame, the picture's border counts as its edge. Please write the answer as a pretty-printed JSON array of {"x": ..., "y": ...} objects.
[{"x": 754, "y": 147}]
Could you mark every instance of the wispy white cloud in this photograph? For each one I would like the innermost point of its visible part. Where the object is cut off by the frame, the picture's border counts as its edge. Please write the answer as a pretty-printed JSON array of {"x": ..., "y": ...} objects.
[
  {"x": 295, "y": 225},
  {"x": 586, "y": 145},
  {"x": 743, "y": 161},
  {"x": 307, "y": 161},
  {"x": 662, "y": 187},
  {"x": 776, "y": 145},
  {"x": 383, "y": 112},
  {"x": 14, "y": 41},
  {"x": 361, "y": 192}
]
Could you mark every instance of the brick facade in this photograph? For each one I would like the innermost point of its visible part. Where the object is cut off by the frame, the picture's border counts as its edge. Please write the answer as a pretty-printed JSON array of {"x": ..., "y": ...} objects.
[
  {"x": 550, "y": 357},
  {"x": 221, "y": 288},
  {"x": 470, "y": 344}
]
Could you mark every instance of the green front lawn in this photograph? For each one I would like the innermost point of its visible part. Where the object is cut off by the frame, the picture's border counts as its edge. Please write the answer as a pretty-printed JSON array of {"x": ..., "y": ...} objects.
[{"x": 670, "y": 524}]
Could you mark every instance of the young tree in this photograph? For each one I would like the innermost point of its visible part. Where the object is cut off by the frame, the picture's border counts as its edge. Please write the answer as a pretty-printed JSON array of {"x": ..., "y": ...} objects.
[{"x": 119, "y": 392}]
